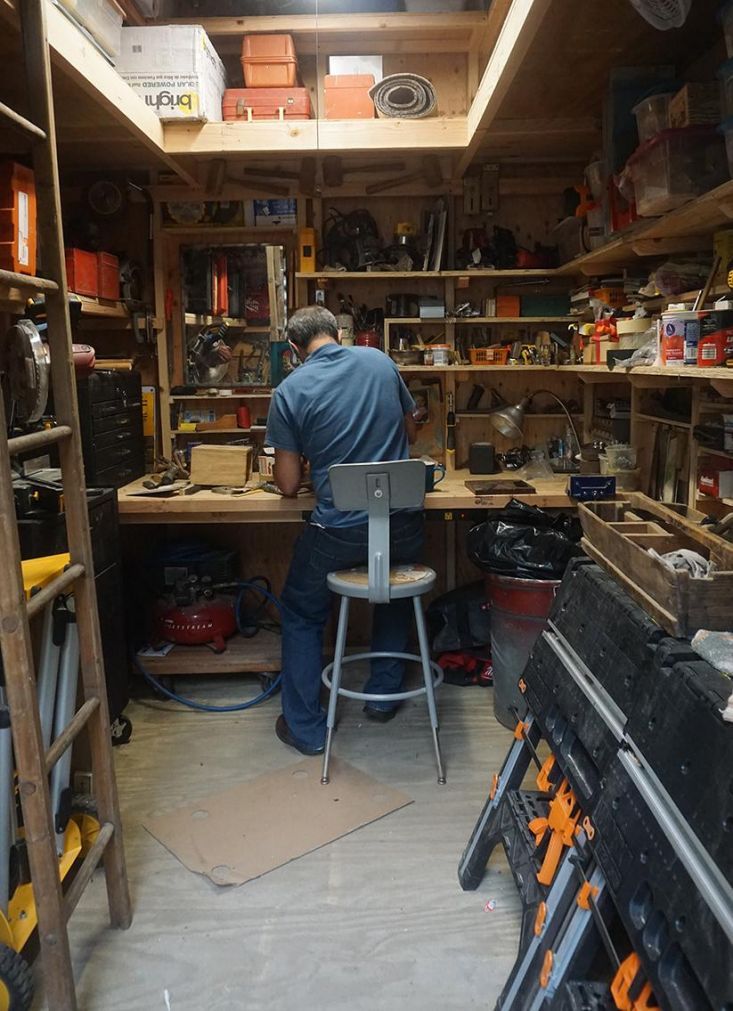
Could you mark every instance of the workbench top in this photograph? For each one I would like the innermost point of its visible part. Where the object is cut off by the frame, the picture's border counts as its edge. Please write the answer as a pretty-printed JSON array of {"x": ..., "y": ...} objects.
[{"x": 265, "y": 507}]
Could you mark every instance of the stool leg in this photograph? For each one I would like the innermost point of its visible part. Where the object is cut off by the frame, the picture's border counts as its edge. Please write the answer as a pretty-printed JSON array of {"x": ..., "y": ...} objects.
[
  {"x": 335, "y": 683},
  {"x": 422, "y": 638}
]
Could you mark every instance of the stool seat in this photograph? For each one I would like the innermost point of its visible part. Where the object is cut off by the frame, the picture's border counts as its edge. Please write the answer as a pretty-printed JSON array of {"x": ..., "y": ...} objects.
[{"x": 404, "y": 581}]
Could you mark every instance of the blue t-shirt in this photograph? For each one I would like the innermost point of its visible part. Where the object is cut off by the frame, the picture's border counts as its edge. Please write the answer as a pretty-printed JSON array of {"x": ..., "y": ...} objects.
[{"x": 342, "y": 405}]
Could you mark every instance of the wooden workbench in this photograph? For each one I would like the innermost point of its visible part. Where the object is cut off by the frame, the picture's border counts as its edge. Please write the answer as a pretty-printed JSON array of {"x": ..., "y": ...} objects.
[{"x": 264, "y": 507}]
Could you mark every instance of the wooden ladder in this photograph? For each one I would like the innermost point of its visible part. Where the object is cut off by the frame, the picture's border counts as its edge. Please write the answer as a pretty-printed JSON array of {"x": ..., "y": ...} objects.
[{"x": 32, "y": 764}]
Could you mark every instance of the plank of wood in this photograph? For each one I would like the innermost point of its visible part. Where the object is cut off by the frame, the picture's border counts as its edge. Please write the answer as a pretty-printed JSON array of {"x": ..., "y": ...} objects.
[
  {"x": 517, "y": 33},
  {"x": 665, "y": 618},
  {"x": 260, "y": 654},
  {"x": 715, "y": 546}
]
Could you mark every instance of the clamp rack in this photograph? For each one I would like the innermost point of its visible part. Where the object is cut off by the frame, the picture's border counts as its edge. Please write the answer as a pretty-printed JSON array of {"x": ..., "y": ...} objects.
[{"x": 623, "y": 855}]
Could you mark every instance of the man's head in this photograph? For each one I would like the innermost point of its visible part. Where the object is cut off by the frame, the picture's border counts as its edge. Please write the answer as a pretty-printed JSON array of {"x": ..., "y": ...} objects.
[{"x": 313, "y": 325}]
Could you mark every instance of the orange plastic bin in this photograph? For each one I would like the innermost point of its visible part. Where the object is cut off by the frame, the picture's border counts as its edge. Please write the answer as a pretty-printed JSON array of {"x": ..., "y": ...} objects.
[
  {"x": 269, "y": 61},
  {"x": 347, "y": 96},
  {"x": 17, "y": 218}
]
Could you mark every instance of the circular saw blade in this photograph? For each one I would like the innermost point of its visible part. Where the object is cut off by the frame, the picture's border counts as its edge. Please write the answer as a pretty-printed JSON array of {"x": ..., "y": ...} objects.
[{"x": 27, "y": 367}]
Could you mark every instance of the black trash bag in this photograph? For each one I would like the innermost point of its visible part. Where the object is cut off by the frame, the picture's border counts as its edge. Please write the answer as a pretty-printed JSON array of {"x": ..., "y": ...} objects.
[
  {"x": 460, "y": 619},
  {"x": 525, "y": 541}
]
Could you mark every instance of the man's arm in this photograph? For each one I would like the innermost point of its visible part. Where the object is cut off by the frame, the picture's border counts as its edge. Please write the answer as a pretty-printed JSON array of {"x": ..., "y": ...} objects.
[
  {"x": 288, "y": 472},
  {"x": 411, "y": 429}
]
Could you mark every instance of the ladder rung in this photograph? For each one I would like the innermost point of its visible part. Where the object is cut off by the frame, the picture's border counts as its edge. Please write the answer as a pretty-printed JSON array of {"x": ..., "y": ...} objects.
[
  {"x": 13, "y": 280},
  {"x": 51, "y": 590},
  {"x": 34, "y": 440},
  {"x": 70, "y": 731},
  {"x": 21, "y": 122},
  {"x": 89, "y": 864}
]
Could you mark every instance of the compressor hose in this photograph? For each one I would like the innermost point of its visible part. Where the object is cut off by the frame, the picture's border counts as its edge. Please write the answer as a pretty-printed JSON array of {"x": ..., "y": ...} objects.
[{"x": 236, "y": 707}]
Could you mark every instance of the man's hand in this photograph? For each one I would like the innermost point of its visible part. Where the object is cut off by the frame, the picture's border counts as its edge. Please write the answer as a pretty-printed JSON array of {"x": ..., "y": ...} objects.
[{"x": 288, "y": 472}]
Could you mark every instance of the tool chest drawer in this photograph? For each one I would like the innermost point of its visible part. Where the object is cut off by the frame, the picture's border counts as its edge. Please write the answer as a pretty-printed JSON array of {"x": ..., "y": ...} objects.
[
  {"x": 127, "y": 420},
  {"x": 111, "y": 421},
  {"x": 132, "y": 432},
  {"x": 109, "y": 385}
]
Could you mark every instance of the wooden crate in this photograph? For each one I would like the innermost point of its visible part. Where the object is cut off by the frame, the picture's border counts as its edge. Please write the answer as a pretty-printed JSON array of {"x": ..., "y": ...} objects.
[
  {"x": 221, "y": 465},
  {"x": 619, "y": 534}
]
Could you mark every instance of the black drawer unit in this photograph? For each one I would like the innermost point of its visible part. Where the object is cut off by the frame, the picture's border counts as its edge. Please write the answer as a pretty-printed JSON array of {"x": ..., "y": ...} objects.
[{"x": 111, "y": 418}]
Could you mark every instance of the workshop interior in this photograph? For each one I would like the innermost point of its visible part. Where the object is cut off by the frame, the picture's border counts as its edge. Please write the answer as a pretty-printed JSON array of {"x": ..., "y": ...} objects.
[{"x": 524, "y": 209}]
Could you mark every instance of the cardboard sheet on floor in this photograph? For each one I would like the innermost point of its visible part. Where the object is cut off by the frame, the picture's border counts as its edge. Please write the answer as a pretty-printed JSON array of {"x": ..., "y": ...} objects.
[{"x": 251, "y": 829}]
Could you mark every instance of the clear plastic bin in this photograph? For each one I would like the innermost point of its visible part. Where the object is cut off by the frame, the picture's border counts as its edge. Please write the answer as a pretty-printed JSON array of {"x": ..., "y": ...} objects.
[
  {"x": 621, "y": 456},
  {"x": 652, "y": 116},
  {"x": 101, "y": 18},
  {"x": 676, "y": 166}
]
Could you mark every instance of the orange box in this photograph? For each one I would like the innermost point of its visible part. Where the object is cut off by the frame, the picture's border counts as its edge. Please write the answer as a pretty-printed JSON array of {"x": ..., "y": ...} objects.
[
  {"x": 81, "y": 272},
  {"x": 347, "y": 96},
  {"x": 17, "y": 218},
  {"x": 108, "y": 276},
  {"x": 269, "y": 61},
  {"x": 508, "y": 305}
]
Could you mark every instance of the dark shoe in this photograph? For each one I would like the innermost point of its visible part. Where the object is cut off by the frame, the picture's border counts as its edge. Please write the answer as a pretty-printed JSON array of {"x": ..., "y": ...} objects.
[
  {"x": 380, "y": 715},
  {"x": 283, "y": 732}
]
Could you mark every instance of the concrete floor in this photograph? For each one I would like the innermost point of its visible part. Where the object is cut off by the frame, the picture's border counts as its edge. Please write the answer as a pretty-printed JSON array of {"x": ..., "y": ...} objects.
[{"x": 373, "y": 920}]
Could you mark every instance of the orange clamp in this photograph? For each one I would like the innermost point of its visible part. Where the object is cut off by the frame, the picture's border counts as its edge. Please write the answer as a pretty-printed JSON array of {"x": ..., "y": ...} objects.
[
  {"x": 561, "y": 822},
  {"x": 544, "y": 782},
  {"x": 494, "y": 785},
  {"x": 522, "y": 685},
  {"x": 588, "y": 827},
  {"x": 586, "y": 893},
  {"x": 546, "y": 970},
  {"x": 622, "y": 982},
  {"x": 539, "y": 920},
  {"x": 519, "y": 730}
]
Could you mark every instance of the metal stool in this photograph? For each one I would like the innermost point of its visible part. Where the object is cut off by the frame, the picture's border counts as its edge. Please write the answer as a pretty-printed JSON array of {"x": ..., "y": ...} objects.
[{"x": 379, "y": 488}]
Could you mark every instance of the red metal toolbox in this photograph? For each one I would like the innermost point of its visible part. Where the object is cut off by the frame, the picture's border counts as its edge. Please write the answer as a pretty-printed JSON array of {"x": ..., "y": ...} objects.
[
  {"x": 108, "y": 276},
  {"x": 266, "y": 103},
  {"x": 81, "y": 272}
]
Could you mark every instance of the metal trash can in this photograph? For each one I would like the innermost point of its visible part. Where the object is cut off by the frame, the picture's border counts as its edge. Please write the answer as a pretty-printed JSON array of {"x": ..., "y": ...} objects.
[{"x": 519, "y": 610}]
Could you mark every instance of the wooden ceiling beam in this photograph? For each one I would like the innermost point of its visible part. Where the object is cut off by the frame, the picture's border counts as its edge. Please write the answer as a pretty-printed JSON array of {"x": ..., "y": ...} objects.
[{"x": 515, "y": 38}]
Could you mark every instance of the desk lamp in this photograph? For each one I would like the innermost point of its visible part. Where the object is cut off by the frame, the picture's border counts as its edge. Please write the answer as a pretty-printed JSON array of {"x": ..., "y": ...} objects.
[{"x": 509, "y": 420}]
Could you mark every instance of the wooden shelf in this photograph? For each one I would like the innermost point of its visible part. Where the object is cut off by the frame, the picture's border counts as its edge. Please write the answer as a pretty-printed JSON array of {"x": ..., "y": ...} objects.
[
  {"x": 698, "y": 217},
  {"x": 480, "y": 320},
  {"x": 679, "y": 371},
  {"x": 479, "y": 273},
  {"x": 527, "y": 417},
  {"x": 485, "y": 368},
  {"x": 192, "y": 319},
  {"x": 188, "y": 397},
  {"x": 704, "y": 451},
  {"x": 672, "y": 422},
  {"x": 298, "y": 137},
  {"x": 260, "y": 654},
  {"x": 219, "y": 431}
]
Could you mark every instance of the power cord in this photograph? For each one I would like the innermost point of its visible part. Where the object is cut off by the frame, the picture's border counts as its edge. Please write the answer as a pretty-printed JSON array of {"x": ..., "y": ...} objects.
[{"x": 246, "y": 630}]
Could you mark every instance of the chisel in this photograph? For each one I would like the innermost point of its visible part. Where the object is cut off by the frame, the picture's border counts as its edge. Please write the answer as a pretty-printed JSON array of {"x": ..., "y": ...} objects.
[{"x": 450, "y": 424}]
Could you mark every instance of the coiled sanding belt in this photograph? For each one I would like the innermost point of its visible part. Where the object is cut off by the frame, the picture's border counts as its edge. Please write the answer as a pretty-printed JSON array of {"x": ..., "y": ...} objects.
[{"x": 404, "y": 96}]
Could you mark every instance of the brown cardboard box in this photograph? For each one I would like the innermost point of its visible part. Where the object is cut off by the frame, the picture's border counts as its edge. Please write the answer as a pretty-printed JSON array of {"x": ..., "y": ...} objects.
[
  {"x": 225, "y": 465},
  {"x": 695, "y": 105}
]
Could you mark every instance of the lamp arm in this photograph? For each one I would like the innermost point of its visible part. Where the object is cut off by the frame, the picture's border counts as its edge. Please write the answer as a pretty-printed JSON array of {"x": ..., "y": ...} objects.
[{"x": 567, "y": 412}]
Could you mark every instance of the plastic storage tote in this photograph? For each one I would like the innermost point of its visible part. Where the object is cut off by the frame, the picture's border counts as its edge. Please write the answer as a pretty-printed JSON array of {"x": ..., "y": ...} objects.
[
  {"x": 676, "y": 166},
  {"x": 266, "y": 103},
  {"x": 652, "y": 116},
  {"x": 269, "y": 61},
  {"x": 346, "y": 96}
]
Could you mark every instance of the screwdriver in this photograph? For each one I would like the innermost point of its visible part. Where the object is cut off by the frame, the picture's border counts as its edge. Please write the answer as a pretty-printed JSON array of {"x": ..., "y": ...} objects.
[{"x": 450, "y": 424}]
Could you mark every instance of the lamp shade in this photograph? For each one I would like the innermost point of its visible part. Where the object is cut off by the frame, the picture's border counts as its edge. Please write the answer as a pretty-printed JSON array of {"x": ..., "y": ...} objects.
[{"x": 509, "y": 421}]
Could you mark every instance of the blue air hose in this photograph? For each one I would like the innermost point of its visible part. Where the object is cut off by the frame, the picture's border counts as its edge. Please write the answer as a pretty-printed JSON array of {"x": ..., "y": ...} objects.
[{"x": 238, "y": 706}]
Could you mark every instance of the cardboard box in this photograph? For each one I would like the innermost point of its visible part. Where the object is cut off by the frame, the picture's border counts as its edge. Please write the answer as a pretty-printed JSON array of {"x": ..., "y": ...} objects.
[
  {"x": 225, "y": 465},
  {"x": 175, "y": 69},
  {"x": 357, "y": 65},
  {"x": 694, "y": 105},
  {"x": 594, "y": 352}
]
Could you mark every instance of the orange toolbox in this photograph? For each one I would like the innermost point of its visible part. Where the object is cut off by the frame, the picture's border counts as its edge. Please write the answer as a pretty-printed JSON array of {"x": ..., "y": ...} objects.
[
  {"x": 266, "y": 103},
  {"x": 347, "y": 96},
  {"x": 108, "y": 276},
  {"x": 507, "y": 305},
  {"x": 17, "y": 218},
  {"x": 81, "y": 272},
  {"x": 269, "y": 61}
]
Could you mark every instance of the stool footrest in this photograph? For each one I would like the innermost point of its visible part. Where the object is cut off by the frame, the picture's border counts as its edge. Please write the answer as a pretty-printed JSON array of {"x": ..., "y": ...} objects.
[{"x": 371, "y": 696}]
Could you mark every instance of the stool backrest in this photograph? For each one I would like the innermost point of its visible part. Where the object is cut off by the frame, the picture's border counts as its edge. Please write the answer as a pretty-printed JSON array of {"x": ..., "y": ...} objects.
[{"x": 378, "y": 488}]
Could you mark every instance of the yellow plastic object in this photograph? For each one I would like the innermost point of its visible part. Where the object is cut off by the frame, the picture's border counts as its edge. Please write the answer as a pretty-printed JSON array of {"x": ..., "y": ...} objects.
[
  {"x": 38, "y": 572},
  {"x": 22, "y": 915}
]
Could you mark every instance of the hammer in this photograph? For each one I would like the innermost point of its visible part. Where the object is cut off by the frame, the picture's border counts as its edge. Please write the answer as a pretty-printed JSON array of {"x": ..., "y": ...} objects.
[
  {"x": 334, "y": 171},
  {"x": 430, "y": 173}
]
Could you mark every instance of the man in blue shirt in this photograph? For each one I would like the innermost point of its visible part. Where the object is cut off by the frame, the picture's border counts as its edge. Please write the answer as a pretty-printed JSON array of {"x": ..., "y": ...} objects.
[{"x": 342, "y": 405}]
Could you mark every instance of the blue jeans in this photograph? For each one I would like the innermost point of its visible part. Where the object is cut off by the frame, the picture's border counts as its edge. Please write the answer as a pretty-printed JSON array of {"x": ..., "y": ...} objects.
[{"x": 306, "y": 604}]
